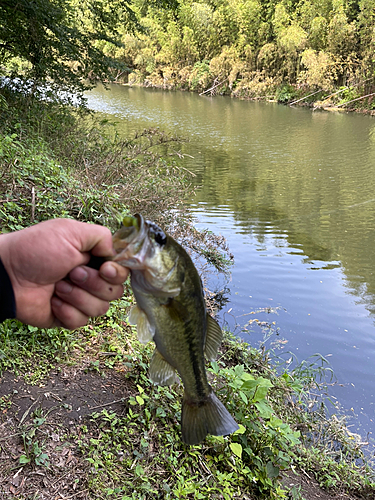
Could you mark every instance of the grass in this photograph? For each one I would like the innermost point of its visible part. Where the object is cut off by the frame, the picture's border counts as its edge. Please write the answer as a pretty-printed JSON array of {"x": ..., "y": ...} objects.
[{"x": 57, "y": 166}]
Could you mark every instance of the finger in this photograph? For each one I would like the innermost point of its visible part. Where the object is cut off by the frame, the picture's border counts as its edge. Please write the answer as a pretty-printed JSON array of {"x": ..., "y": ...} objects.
[
  {"x": 67, "y": 315},
  {"x": 90, "y": 280},
  {"x": 113, "y": 273},
  {"x": 93, "y": 238},
  {"x": 82, "y": 300}
]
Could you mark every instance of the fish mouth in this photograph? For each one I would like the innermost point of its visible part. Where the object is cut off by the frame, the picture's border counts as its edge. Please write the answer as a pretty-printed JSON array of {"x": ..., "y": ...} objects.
[{"x": 131, "y": 242}]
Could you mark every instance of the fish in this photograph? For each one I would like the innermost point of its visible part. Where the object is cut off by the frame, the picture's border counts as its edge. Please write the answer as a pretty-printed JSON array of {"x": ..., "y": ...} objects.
[{"x": 170, "y": 310}]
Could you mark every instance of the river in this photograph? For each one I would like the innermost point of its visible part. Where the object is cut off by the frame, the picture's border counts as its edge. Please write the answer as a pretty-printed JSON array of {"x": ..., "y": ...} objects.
[{"x": 293, "y": 191}]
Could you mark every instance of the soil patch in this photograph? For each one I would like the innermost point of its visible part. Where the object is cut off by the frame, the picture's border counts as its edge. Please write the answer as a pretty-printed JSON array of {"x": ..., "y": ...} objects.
[
  {"x": 71, "y": 393},
  {"x": 310, "y": 490},
  {"x": 42, "y": 424}
]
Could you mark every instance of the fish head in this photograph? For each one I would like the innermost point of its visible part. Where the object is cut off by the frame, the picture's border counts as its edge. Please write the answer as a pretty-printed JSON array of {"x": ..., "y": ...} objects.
[
  {"x": 130, "y": 242},
  {"x": 142, "y": 246}
]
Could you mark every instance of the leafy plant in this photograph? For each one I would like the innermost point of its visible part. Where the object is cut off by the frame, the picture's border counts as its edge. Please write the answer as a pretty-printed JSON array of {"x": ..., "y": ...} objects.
[
  {"x": 264, "y": 440},
  {"x": 5, "y": 403},
  {"x": 285, "y": 93},
  {"x": 34, "y": 449}
]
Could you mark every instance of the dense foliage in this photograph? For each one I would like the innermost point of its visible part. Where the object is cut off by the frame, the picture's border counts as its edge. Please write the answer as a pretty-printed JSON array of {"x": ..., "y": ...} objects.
[
  {"x": 253, "y": 47},
  {"x": 247, "y": 48},
  {"x": 60, "y": 40}
]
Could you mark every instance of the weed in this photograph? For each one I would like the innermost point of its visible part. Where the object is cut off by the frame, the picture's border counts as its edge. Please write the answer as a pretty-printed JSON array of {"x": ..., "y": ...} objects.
[
  {"x": 33, "y": 351},
  {"x": 5, "y": 403},
  {"x": 33, "y": 447},
  {"x": 146, "y": 437},
  {"x": 295, "y": 493}
]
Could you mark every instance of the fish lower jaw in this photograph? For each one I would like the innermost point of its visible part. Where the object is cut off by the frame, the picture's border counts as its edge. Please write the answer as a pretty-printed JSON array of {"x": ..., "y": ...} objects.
[{"x": 132, "y": 262}]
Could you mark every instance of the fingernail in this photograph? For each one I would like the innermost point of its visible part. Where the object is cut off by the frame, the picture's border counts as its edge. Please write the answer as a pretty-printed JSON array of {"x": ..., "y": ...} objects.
[
  {"x": 78, "y": 275},
  {"x": 109, "y": 271},
  {"x": 63, "y": 287}
]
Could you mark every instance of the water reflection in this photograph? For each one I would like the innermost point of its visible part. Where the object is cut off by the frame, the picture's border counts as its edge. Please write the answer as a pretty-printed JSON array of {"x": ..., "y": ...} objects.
[{"x": 294, "y": 193}]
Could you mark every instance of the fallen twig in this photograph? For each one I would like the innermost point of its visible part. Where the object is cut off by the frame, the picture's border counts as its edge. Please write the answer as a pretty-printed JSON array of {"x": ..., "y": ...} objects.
[
  {"x": 28, "y": 411},
  {"x": 10, "y": 436},
  {"x": 305, "y": 97},
  {"x": 214, "y": 87},
  {"x": 75, "y": 494},
  {"x": 357, "y": 99},
  {"x": 108, "y": 404}
]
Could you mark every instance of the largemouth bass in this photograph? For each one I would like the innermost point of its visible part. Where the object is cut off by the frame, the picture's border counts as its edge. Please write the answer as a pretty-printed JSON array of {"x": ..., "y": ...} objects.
[{"x": 171, "y": 311}]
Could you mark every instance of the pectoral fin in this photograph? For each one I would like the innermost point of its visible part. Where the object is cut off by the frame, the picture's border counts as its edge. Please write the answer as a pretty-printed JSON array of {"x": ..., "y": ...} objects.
[
  {"x": 145, "y": 330},
  {"x": 214, "y": 337},
  {"x": 161, "y": 372}
]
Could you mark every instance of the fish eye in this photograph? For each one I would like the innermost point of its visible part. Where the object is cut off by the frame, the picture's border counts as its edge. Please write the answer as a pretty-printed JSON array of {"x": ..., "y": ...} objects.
[
  {"x": 159, "y": 235},
  {"x": 161, "y": 238}
]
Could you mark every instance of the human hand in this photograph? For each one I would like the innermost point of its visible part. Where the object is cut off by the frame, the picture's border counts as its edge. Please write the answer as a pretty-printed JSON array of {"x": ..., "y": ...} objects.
[{"x": 39, "y": 258}]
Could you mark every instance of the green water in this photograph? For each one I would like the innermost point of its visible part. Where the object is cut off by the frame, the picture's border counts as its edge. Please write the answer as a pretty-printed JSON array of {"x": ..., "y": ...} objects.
[{"x": 293, "y": 191}]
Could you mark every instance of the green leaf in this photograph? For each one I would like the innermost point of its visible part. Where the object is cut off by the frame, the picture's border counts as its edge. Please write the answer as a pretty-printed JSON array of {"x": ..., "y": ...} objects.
[
  {"x": 140, "y": 400},
  {"x": 265, "y": 411},
  {"x": 272, "y": 471},
  {"x": 241, "y": 429},
  {"x": 236, "y": 449},
  {"x": 249, "y": 385},
  {"x": 42, "y": 459},
  {"x": 215, "y": 367},
  {"x": 160, "y": 412},
  {"x": 239, "y": 371},
  {"x": 243, "y": 397},
  {"x": 24, "y": 459},
  {"x": 139, "y": 471}
]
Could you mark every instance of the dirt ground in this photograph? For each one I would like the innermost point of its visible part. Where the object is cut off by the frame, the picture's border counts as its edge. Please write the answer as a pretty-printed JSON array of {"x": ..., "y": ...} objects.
[
  {"x": 64, "y": 401},
  {"x": 310, "y": 489},
  {"x": 47, "y": 418}
]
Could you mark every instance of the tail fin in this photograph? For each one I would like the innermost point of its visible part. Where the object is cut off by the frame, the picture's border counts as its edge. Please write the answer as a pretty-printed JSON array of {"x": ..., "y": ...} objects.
[{"x": 208, "y": 417}]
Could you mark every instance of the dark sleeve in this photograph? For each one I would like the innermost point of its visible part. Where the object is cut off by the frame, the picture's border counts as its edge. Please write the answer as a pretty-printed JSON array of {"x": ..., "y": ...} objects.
[{"x": 7, "y": 301}]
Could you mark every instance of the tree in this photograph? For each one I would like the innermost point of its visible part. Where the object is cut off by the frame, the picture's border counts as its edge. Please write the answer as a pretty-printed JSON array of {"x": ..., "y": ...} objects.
[{"x": 62, "y": 39}]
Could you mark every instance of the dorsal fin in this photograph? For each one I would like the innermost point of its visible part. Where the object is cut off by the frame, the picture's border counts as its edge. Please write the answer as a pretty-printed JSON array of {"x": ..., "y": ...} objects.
[
  {"x": 145, "y": 330},
  {"x": 214, "y": 336}
]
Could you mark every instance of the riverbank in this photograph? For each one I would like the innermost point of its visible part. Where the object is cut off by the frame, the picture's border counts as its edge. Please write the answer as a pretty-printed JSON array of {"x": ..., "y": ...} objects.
[
  {"x": 75, "y": 401},
  {"x": 340, "y": 100},
  {"x": 254, "y": 50}
]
